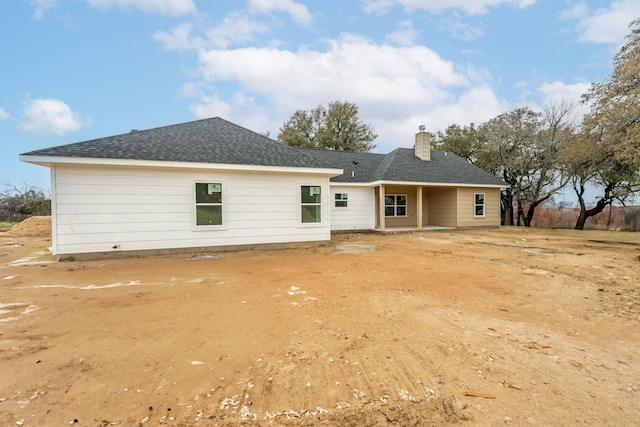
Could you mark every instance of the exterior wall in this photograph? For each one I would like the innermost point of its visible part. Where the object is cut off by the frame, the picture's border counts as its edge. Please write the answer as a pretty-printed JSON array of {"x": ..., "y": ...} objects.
[
  {"x": 425, "y": 206},
  {"x": 133, "y": 209},
  {"x": 442, "y": 206},
  {"x": 466, "y": 208},
  {"x": 360, "y": 213},
  {"x": 410, "y": 220}
]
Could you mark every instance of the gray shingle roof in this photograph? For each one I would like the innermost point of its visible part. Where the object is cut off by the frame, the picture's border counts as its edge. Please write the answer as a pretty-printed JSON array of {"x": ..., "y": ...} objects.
[
  {"x": 203, "y": 141},
  {"x": 218, "y": 141},
  {"x": 402, "y": 165},
  {"x": 358, "y": 167}
]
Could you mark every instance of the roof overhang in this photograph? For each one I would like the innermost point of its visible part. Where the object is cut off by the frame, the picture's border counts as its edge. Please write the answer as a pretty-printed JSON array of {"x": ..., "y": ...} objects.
[
  {"x": 417, "y": 184},
  {"x": 50, "y": 161}
]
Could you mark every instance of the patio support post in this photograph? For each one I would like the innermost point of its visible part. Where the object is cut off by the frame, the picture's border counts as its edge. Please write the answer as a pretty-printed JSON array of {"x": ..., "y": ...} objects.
[
  {"x": 381, "y": 208},
  {"x": 419, "y": 208}
]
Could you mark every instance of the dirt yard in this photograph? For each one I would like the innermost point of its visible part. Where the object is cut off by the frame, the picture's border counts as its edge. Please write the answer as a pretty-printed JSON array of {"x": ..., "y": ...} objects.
[{"x": 473, "y": 328}]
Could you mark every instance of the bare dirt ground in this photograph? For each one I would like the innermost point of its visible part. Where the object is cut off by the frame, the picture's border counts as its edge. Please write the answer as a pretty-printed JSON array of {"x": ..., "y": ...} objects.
[{"x": 473, "y": 328}]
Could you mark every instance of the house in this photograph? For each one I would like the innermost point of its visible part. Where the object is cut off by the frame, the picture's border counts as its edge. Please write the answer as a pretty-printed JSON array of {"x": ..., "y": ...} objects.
[{"x": 213, "y": 184}]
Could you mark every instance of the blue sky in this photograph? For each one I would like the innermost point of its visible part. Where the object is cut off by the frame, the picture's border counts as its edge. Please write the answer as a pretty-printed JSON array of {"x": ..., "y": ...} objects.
[{"x": 74, "y": 70}]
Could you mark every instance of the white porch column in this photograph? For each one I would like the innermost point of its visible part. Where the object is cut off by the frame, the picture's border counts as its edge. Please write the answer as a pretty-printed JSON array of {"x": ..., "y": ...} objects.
[
  {"x": 419, "y": 208},
  {"x": 381, "y": 207}
]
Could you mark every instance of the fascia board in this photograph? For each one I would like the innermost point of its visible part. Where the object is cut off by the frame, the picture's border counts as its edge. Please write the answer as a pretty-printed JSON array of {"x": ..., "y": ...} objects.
[
  {"x": 49, "y": 160},
  {"x": 352, "y": 184},
  {"x": 437, "y": 184}
]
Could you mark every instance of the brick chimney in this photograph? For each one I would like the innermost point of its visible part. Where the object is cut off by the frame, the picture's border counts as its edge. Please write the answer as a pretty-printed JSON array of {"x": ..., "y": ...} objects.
[{"x": 423, "y": 144}]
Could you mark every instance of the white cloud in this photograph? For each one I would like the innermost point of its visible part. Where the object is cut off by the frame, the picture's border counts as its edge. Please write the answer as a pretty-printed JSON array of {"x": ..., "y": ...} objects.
[
  {"x": 235, "y": 28},
  {"x": 298, "y": 11},
  {"x": 577, "y": 11},
  {"x": 166, "y": 7},
  {"x": 470, "y": 7},
  {"x": 557, "y": 91},
  {"x": 460, "y": 29},
  {"x": 3, "y": 114},
  {"x": 211, "y": 106},
  {"x": 604, "y": 25},
  {"x": 191, "y": 89},
  {"x": 41, "y": 6},
  {"x": 178, "y": 39},
  {"x": 405, "y": 35},
  {"x": 241, "y": 106},
  {"x": 396, "y": 88},
  {"x": 351, "y": 64},
  {"x": 477, "y": 105},
  {"x": 50, "y": 116},
  {"x": 379, "y": 7}
]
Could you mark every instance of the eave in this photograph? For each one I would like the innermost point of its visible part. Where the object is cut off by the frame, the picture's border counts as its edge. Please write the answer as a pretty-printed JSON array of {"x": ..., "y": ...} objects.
[
  {"x": 417, "y": 184},
  {"x": 49, "y": 161}
]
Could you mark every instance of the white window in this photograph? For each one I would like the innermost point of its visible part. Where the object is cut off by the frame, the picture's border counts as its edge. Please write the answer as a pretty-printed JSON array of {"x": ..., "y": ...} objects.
[
  {"x": 395, "y": 205},
  {"x": 479, "y": 204},
  {"x": 208, "y": 203},
  {"x": 311, "y": 203},
  {"x": 341, "y": 200}
]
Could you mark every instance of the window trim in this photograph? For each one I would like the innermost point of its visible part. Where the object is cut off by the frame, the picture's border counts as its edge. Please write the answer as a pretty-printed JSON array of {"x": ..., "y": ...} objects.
[
  {"x": 342, "y": 199},
  {"x": 195, "y": 205},
  {"x": 301, "y": 204},
  {"x": 395, "y": 205},
  {"x": 482, "y": 204}
]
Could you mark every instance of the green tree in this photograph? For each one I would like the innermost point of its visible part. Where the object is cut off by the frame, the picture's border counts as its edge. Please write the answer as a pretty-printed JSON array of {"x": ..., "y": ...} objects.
[
  {"x": 466, "y": 141},
  {"x": 615, "y": 105},
  {"x": 606, "y": 151},
  {"x": 510, "y": 139},
  {"x": 587, "y": 161},
  {"x": 520, "y": 147},
  {"x": 337, "y": 127},
  {"x": 547, "y": 178}
]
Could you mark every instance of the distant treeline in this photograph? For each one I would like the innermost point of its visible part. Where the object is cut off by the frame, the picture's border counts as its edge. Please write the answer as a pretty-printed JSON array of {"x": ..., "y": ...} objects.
[{"x": 611, "y": 218}]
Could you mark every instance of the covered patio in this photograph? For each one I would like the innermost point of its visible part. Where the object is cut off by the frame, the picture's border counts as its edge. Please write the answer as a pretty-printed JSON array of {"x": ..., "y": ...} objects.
[{"x": 429, "y": 207}]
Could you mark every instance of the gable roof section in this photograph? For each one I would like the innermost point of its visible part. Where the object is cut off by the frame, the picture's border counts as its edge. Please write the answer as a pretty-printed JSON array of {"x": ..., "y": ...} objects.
[
  {"x": 402, "y": 165},
  {"x": 217, "y": 141},
  {"x": 211, "y": 140},
  {"x": 358, "y": 167},
  {"x": 444, "y": 167}
]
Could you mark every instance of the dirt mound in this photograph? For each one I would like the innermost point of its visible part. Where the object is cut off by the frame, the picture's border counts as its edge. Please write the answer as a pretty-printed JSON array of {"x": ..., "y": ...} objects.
[{"x": 35, "y": 226}]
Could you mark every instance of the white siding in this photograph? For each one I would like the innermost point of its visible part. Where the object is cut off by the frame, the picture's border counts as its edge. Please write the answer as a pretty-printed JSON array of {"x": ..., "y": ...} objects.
[
  {"x": 96, "y": 208},
  {"x": 360, "y": 213}
]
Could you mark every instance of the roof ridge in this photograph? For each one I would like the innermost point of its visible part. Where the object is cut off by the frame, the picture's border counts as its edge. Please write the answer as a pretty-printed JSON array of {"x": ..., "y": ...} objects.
[
  {"x": 211, "y": 140},
  {"x": 385, "y": 164}
]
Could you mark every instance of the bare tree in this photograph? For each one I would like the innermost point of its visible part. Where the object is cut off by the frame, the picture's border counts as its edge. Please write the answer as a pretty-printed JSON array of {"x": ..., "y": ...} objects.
[
  {"x": 605, "y": 152},
  {"x": 520, "y": 147},
  {"x": 547, "y": 178},
  {"x": 18, "y": 203}
]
